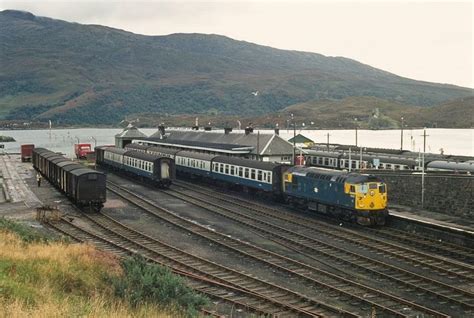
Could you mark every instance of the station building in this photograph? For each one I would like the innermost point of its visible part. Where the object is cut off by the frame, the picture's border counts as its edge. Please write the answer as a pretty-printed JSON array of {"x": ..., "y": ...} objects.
[
  {"x": 248, "y": 144},
  {"x": 127, "y": 136}
]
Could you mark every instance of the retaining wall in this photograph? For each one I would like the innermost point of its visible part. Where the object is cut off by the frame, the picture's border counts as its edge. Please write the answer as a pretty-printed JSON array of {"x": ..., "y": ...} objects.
[{"x": 450, "y": 194}]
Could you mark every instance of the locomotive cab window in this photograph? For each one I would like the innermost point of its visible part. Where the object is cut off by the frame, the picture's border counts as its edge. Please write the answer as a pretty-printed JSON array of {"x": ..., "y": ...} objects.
[
  {"x": 363, "y": 188},
  {"x": 352, "y": 189},
  {"x": 382, "y": 188}
]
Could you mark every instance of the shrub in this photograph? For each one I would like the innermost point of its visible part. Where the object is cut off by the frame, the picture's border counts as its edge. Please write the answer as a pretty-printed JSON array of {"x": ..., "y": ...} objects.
[{"x": 150, "y": 283}]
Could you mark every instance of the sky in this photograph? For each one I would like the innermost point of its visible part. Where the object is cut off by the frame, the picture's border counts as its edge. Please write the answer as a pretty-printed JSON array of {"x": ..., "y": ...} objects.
[{"x": 422, "y": 40}]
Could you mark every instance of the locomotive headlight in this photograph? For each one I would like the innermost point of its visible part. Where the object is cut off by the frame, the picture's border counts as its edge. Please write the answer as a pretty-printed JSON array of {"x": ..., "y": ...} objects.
[{"x": 372, "y": 192}]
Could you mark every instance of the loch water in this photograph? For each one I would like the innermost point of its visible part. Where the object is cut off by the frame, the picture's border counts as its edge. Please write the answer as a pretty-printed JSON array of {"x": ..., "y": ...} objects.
[{"x": 452, "y": 141}]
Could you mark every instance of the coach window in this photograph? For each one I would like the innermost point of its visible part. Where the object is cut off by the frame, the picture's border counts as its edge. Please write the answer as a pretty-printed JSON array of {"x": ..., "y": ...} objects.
[
  {"x": 252, "y": 174},
  {"x": 246, "y": 175},
  {"x": 221, "y": 167},
  {"x": 241, "y": 171},
  {"x": 226, "y": 169},
  {"x": 269, "y": 177},
  {"x": 232, "y": 170}
]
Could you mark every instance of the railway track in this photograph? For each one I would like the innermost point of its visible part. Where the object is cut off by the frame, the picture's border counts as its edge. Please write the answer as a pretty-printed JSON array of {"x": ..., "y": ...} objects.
[
  {"x": 338, "y": 286},
  {"x": 311, "y": 247},
  {"x": 273, "y": 301},
  {"x": 430, "y": 245},
  {"x": 444, "y": 267}
]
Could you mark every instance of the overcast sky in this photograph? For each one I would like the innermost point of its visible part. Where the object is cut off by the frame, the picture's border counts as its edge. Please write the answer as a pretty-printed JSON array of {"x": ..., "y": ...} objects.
[{"x": 423, "y": 40}]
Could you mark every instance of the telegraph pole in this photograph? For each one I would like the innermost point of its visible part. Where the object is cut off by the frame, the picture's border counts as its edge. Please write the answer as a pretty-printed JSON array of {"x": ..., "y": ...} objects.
[
  {"x": 401, "y": 137},
  {"x": 423, "y": 169},
  {"x": 294, "y": 138}
]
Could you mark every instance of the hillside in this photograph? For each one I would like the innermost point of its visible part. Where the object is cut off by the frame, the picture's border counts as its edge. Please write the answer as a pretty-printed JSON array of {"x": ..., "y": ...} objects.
[
  {"x": 52, "y": 69},
  {"x": 456, "y": 113}
]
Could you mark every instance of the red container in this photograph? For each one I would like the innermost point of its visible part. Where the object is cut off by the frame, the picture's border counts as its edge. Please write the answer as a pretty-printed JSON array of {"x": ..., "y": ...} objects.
[
  {"x": 82, "y": 150},
  {"x": 26, "y": 151}
]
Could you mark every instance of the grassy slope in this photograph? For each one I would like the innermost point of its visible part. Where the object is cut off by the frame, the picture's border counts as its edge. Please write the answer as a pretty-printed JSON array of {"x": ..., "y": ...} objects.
[
  {"x": 54, "y": 279},
  {"x": 64, "y": 71}
]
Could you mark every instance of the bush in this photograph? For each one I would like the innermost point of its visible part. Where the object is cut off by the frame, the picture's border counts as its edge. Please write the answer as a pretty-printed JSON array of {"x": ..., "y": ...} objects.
[{"x": 150, "y": 283}]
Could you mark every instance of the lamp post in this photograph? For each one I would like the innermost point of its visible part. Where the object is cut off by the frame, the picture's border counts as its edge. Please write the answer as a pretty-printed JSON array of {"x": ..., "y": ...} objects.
[
  {"x": 401, "y": 137},
  {"x": 95, "y": 141},
  {"x": 328, "y": 141}
]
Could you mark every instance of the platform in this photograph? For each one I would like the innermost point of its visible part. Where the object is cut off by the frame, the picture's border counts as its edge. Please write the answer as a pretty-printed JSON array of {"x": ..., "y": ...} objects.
[
  {"x": 461, "y": 229},
  {"x": 14, "y": 173}
]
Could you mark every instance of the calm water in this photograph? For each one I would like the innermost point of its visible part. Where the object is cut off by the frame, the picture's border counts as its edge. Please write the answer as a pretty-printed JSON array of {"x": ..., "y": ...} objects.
[{"x": 453, "y": 141}]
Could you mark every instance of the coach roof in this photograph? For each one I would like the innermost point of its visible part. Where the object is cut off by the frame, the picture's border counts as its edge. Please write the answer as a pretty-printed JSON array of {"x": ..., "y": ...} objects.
[{"x": 246, "y": 162}]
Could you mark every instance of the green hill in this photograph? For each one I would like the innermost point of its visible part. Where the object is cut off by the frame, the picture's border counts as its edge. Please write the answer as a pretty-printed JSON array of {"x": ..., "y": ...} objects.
[{"x": 73, "y": 73}]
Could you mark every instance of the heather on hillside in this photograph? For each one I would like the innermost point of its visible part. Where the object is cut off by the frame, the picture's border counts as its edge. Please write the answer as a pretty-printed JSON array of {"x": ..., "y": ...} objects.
[{"x": 52, "y": 69}]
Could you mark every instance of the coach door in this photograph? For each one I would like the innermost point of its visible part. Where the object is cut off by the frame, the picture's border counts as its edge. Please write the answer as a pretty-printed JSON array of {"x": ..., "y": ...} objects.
[{"x": 165, "y": 170}]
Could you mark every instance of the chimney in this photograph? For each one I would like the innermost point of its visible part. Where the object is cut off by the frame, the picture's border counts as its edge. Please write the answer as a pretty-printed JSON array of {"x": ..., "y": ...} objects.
[
  {"x": 248, "y": 130},
  {"x": 227, "y": 130},
  {"x": 207, "y": 128},
  {"x": 161, "y": 129},
  {"x": 277, "y": 131}
]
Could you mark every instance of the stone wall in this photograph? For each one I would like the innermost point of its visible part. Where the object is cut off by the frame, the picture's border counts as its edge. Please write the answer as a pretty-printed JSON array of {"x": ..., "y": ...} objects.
[{"x": 450, "y": 194}]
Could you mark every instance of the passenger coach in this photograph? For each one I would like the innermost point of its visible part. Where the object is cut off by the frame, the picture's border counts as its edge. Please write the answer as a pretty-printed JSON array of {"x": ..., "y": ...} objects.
[{"x": 157, "y": 170}]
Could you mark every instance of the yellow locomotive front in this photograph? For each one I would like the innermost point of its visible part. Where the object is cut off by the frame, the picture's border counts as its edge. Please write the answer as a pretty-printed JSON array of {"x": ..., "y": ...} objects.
[{"x": 370, "y": 200}]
